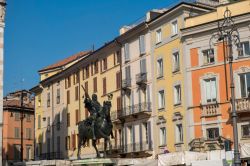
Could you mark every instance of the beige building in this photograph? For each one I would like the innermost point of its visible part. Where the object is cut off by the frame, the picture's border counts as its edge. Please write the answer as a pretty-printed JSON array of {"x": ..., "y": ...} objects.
[{"x": 59, "y": 99}]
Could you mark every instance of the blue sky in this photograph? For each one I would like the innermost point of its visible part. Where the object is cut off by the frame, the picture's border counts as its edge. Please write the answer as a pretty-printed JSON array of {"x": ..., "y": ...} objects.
[{"x": 41, "y": 32}]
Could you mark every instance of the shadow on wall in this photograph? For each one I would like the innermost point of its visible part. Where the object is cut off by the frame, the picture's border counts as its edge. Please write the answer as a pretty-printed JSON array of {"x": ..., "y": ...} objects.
[
  {"x": 51, "y": 143},
  {"x": 12, "y": 154}
]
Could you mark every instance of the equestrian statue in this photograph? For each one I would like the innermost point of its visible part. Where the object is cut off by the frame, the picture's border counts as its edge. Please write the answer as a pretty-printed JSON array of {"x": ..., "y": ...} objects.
[{"x": 98, "y": 125}]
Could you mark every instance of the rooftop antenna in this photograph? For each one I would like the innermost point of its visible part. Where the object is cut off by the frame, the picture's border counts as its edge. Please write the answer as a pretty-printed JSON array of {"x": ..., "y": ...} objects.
[{"x": 93, "y": 47}]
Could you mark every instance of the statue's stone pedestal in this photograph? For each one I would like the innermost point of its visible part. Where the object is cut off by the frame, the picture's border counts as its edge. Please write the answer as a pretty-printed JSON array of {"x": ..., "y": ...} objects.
[{"x": 94, "y": 162}]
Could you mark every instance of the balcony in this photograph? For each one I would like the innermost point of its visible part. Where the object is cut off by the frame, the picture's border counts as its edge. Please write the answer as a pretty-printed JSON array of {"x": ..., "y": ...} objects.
[
  {"x": 141, "y": 78},
  {"x": 209, "y": 110},
  {"x": 50, "y": 156},
  {"x": 126, "y": 83},
  {"x": 140, "y": 110},
  {"x": 242, "y": 105},
  {"x": 115, "y": 116}
]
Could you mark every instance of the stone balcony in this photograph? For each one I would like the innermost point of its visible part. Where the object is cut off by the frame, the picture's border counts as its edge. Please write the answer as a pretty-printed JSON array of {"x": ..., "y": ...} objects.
[
  {"x": 209, "y": 110},
  {"x": 126, "y": 83},
  {"x": 141, "y": 78},
  {"x": 242, "y": 105}
]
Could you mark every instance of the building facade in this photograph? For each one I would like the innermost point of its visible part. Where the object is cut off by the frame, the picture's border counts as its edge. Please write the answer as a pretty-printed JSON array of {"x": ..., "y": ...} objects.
[
  {"x": 60, "y": 101},
  {"x": 208, "y": 80},
  {"x": 18, "y": 109}
]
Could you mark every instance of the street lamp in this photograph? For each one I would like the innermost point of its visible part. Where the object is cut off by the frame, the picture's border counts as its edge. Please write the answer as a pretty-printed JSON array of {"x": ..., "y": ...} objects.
[{"x": 229, "y": 34}]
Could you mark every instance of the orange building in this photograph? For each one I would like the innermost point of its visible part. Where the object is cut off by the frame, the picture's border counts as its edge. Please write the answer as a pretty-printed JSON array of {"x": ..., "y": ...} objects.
[
  {"x": 208, "y": 80},
  {"x": 12, "y": 127}
]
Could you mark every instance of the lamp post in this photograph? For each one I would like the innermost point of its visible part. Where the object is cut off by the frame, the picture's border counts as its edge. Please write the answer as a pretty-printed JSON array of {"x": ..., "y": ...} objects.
[{"x": 228, "y": 33}]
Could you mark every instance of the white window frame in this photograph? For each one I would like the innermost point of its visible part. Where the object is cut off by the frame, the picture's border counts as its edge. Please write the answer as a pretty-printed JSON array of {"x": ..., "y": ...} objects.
[
  {"x": 178, "y": 133},
  {"x": 126, "y": 52},
  {"x": 244, "y": 49},
  {"x": 161, "y": 99},
  {"x": 163, "y": 136},
  {"x": 176, "y": 61},
  {"x": 158, "y": 36},
  {"x": 245, "y": 82},
  {"x": 177, "y": 94},
  {"x": 142, "y": 44},
  {"x": 206, "y": 56},
  {"x": 160, "y": 68},
  {"x": 174, "y": 26}
]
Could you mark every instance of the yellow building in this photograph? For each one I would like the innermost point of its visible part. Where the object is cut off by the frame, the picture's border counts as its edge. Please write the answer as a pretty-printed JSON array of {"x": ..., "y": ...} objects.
[
  {"x": 169, "y": 72},
  {"x": 59, "y": 102}
]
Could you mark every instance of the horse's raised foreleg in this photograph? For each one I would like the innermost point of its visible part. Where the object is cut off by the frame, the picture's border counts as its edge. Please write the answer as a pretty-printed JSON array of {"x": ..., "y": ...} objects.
[{"x": 94, "y": 145}]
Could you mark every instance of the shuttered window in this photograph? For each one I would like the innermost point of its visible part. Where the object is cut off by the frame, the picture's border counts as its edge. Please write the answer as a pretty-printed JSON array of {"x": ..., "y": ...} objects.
[
  {"x": 95, "y": 85},
  {"x": 126, "y": 52},
  {"x": 118, "y": 80},
  {"x": 142, "y": 44},
  {"x": 68, "y": 119},
  {"x": 76, "y": 93},
  {"x": 104, "y": 86},
  {"x": 127, "y": 72},
  {"x": 86, "y": 86},
  {"x": 143, "y": 66},
  {"x": 118, "y": 103},
  {"x": 68, "y": 97},
  {"x": 77, "y": 116}
]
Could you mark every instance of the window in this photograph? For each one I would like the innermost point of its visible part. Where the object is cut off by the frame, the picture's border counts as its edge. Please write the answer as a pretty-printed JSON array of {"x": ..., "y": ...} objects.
[
  {"x": 58, "y": 96},
  {"x": 96, "y": 67},
  {"x": 77, "y": 116},
  {"x": 104, "y": 64},
  {"x": 146, "y": 131},
  {"x": 104, "y": 90},
  {"x": 68, "y": 97},
  {"x": 177, "y": 94},
  {"x": 118, "y": 99},
  {"x": 179, "y": 133},
  {"x": 127, "y": 73},
  {"x": 73, "y": 139},
  {"x": 245, "y": 49},
  {"x": 67, "y": 142},
  {"x": 176, "y": 62},
  {"x": 48, "y": 99},
  {"x": 208, "y": 56},
  {"x": 28, "y": 152},
  {"x": 159, "y": 68},
  {"x": 245, "y": 85},
  {"x": 86, "y": 85},
  {"x": 39, "y": 122},
  {"x": 76, "y": 93},
  {"x": 17, "y": 152},
  {"x": 28, "y": 117},
  {"x": 118, "y": 80},
  {"x": 161, "y": 99},
  {"x": 68, "y": 119},
  {"x": 142, "y": 44},
  {"x": 87, "y": 71},
  {"x": 17, "y": 116},
  {"x": 163, "y": 136},
  {"x": 39, "y": 100},
  {"x": 245, "y": 131},
  {"x": 95, "y": 85},
  {"x": 28, "y": 133},
  {"x": 17, "y": 132},
  {"x": 143, "y": 66},
  {"x": 126, "y": 52},
  {"x": 117, "y": 58},
  {"x": 210, "y": 90},
  {"x": 212, "y": 133},
  {"x": 77, "y": 77},
  {"x": 130, "y": 131},
  {"x": 67, "y": 82},
  {"x": 174, "y": 27},
  {"x": 158, "y": 36}
]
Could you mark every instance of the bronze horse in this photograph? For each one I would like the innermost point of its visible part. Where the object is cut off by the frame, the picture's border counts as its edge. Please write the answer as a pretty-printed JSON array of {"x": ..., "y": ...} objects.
[{"x": 103, "y": 129}]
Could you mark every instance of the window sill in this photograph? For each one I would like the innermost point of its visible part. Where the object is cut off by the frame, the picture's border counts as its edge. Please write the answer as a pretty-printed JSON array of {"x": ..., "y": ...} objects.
[
  {"x": 245, "y": 137},
  {"x": 162, "y": 146},
  {"x": 176, "y": 71},
  {"x": 143, "y": 53},
  {"x": 177, "y": 104},
  {"x": 243, "y": 57},
  {"x": 207, "y": 64},
  {"x": 157, "y": 43},
  {"x": 160, "y": 77},
  {"x": 178, "y": 143},
  {"x": 161, "y": 109},
  {"x": 174, "y": 35}
]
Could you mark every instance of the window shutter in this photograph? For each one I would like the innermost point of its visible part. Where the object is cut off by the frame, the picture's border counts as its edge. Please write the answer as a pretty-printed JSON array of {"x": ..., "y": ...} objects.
[
  {"x": 68, "y": 97},
  {"x": 118, "y": 103},
  {"x": 86, "y": 86},
  {"x": 118, "y": 80},
  {"x": 208, "y": 90},
  {"x": 133, "y": 131},
  {"x": 141, "y": 136},
  {"x": 95, "y": 85},
  {"x": 213, "y": 89},
  {"x": 126, "y": 51},
  {"x": 148, "y": 98},
  {"x": 132, "y": 101},
  {"x": 142, "y": 44},
  {"x": 143, "y": 65},
  {"x": 126, "y": 142},
  {"x": 104, "y": 86},
  {"x": 128, "y": 72},
  {"x": 77, "y": 116},
  {"x": 76, "y": 93},
  {"x": 149, "y": 134}
]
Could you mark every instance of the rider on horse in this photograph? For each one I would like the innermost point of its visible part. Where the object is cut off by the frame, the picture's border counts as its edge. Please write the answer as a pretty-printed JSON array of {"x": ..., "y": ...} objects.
[{"x": 95, "y": 107}]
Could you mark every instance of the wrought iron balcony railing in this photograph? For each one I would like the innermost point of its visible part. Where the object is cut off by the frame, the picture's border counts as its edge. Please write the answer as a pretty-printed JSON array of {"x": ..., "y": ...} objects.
[
  {"x": 126, "y": 83},
  {"x": 138, "y": 147},
  {"x": 242, "y": 105},
  {"x": 141, "y": 78},
  {"x": 136, "y": 109},
  {"x": 50, "y": 156},
  {"x": 210, "y": 110}
]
